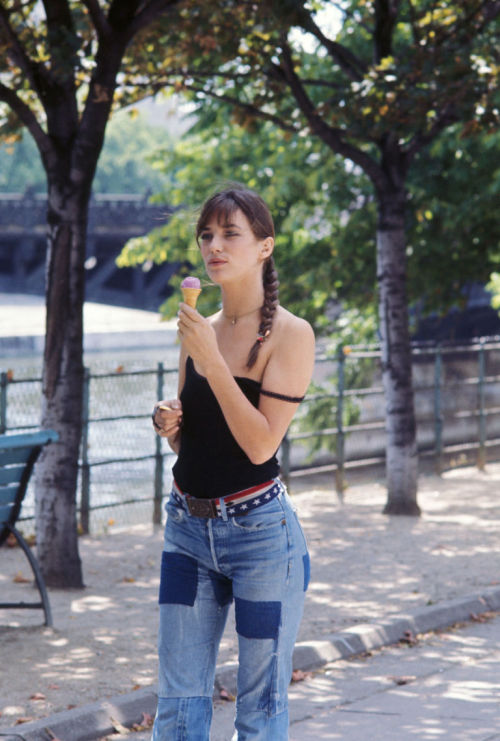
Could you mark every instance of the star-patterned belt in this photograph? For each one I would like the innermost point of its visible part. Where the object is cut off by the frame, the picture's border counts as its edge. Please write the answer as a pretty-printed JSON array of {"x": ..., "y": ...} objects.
[{"x": 240, "y": 503}]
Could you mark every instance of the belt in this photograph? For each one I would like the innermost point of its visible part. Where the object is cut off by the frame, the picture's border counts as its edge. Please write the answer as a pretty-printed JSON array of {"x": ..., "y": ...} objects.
[{"x": 240, "y": 503}]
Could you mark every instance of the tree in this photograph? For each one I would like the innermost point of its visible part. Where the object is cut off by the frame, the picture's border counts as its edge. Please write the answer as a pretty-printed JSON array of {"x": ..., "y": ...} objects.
[
  {"x": 63, "y": 68},
  {"x": 397, "y": 75}
]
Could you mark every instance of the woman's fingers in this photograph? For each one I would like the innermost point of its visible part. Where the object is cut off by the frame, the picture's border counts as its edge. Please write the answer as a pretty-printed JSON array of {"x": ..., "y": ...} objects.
[{"x": 167, "y": 417}]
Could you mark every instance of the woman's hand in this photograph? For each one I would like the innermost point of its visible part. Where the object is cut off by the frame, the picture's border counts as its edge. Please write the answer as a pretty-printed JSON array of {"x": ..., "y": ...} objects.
[
  {"x": 198, "y": 337},
  {"x": 167, "y": 418}
]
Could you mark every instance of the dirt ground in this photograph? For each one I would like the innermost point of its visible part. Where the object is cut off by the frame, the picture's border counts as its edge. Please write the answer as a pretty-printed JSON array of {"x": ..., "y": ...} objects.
[{"x": 365, "y": 566}]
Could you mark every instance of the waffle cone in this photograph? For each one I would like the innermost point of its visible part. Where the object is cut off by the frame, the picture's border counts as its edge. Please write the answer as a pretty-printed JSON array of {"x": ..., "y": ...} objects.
[{"x": 190, "y": 296}]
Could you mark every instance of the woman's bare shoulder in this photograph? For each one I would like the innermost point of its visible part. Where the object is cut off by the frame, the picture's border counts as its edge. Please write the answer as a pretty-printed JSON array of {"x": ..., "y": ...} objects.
[
  {"x": 291, "y": 360},
  {"x": 290, "y": 327}
]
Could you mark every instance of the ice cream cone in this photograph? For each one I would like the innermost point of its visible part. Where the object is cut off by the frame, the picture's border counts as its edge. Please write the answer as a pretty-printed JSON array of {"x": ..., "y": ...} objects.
[{"x": 190, "y": 296}]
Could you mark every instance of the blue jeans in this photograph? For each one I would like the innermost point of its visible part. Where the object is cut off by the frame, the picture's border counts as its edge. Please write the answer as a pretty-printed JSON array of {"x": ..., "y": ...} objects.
[{"x": 261, "y": 561}]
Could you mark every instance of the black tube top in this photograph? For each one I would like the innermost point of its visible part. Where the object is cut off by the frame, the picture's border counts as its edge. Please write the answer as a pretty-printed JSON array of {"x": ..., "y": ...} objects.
[{"x": 210, "y": 462}]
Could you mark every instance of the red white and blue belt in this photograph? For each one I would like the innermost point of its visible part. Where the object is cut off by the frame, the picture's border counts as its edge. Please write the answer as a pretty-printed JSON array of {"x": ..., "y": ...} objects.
[{"x": 240, "y": 503}]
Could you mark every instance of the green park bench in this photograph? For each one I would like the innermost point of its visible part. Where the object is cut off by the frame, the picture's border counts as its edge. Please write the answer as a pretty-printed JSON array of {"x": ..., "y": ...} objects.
[{"x": 18, "y": 454}]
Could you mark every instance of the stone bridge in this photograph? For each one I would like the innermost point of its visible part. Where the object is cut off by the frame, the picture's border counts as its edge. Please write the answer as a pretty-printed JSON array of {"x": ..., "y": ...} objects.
[{"x": 113, "y": 219}]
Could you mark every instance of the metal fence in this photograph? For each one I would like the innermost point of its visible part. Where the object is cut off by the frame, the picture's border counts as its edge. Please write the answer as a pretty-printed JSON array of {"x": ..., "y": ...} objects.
[
  {"x": 456, "y": 391},
  {"x": 125, "y": 469}
]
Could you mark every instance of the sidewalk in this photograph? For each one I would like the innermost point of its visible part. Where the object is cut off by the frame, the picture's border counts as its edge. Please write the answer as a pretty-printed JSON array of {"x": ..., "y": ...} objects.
[
  {"x": 443, "y": 685},
  {"x": 375, "y": 580}
]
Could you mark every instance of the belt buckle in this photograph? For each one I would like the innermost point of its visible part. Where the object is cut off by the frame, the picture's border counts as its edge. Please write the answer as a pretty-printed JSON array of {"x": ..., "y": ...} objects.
[{"x": 202, "y": 507}]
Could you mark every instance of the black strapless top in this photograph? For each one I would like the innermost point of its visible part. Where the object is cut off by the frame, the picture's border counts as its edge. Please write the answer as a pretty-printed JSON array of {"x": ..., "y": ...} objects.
[{"x": 210, "y": 462}]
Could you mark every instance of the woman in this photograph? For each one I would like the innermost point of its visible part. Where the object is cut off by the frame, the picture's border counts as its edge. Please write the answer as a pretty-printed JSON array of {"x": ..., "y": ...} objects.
[{"x": 231, "y": 532}]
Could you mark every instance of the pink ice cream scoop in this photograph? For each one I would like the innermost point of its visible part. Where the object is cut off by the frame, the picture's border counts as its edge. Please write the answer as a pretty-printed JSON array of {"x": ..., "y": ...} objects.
[{"x": 191, "y": 289}]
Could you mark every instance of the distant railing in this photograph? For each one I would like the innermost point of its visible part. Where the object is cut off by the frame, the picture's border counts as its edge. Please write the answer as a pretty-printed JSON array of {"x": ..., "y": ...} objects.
[{"x": 340, "y": 426}]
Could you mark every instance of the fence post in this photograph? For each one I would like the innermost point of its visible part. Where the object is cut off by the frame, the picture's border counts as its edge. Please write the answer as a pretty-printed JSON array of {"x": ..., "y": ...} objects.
[
  {"x": 85, "y": 495},
  {"x": 339, "y": 471},
  {"x": 158, "y": 490},
  {"x": 481, "y": 453},
  {"x": 285, "y": 460},
  {"x": 4, "y": 380},
  {"x": 438, "y": 416}
]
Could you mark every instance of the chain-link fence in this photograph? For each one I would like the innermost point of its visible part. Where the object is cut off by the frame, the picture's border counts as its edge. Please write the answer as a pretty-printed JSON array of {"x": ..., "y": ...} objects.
[
  {"x": 125, "y": 469},
  {"x": 341, "y": 425}
]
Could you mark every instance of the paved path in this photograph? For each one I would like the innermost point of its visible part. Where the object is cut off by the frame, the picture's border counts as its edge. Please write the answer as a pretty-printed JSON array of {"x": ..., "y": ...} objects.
[
  {"x": 376, "y": 581},
  {"x": 444, "y": 686},
  {"x": 447, "y": 686}
]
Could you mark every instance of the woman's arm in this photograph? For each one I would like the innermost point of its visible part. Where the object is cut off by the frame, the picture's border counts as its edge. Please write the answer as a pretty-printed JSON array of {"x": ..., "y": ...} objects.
[{"x": 259, "y": 432}]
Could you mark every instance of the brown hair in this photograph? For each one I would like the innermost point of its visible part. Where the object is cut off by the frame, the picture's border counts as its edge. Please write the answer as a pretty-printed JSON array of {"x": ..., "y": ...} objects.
[{"x": 222, "y": 205}]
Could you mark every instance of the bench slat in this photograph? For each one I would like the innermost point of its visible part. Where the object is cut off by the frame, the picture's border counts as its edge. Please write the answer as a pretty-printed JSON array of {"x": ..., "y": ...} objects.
[
  {"x": 15, "y": 455},
  {"x": 5, "y": 510},
  {"x": 31, "y": 439},
  {"x": 11, "y": 475},
  {"x": 8, "y": 493}
]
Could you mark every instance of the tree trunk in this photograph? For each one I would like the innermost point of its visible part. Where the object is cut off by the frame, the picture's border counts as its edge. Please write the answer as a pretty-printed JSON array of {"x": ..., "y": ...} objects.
[
  {"x": 57, "y": 468},
  {"x": 401, "y": 448}
]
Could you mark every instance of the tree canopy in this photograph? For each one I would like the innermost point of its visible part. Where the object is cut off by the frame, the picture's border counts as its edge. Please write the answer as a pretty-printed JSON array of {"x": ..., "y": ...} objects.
[
  {"x": 309, "y": 193},
  {"x": 404, "y": 70},
  {"x": 325, "y": 214}
]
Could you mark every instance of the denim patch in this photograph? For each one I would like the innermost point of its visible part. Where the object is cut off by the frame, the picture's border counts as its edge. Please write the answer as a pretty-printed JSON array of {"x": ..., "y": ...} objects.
[
  {"x": 257, "y": 619},
  {"x": 223, "y": 588},
  {"x": 307, "y": 570},
  {"x": 179, "y": 579}
]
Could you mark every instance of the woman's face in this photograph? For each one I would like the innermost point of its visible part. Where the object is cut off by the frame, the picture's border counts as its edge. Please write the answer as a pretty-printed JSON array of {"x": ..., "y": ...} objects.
[{"x": 230, "y": 249}]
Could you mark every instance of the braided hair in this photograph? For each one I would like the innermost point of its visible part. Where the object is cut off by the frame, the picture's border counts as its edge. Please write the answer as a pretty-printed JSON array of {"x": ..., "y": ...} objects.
[
  {"x": 268, "y": 308},
  {"x": 222, "y": 205}
]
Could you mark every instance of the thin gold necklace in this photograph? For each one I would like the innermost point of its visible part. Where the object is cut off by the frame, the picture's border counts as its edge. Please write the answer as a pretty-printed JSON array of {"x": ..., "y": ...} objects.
[{"x": 236, "y": 317}]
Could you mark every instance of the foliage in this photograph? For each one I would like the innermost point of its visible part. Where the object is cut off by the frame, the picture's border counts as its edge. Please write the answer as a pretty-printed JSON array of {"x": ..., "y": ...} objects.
[
  {"x": 125, "y": 162},
  {"x": 124, "y": 165},
  {"x": 448, "y": 246},
  {"x": 437, "y": 71},
  {"x": 341, "y": 351},
  {"x": 395, "y": 73},
  {"x": 494, "y": 287},
  {"x": 453, "y": 229},
  {"x": 310, "y": 195},
  {"x": 21, "y": 168}
]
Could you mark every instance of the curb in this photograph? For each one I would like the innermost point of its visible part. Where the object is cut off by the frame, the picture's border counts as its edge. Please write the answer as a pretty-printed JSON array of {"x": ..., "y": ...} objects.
[
  {"x": 369, "y": 636},
  {"x": 96, "y": 720}
]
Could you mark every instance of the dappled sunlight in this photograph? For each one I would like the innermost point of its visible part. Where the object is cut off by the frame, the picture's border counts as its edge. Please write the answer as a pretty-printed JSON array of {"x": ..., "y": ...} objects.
[
  {"x": 474, "y": 691},
  {"x": 94, "y": 603},
  {"x": 107, "y": 639},
  {"x": 59, "y": 642},
  {"x": 104, "y": 639},
  {"x": 365, "y": 567}
]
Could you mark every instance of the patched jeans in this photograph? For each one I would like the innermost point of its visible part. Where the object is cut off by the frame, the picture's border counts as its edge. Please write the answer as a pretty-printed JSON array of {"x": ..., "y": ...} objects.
[{"x": 260, "y": 561}]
